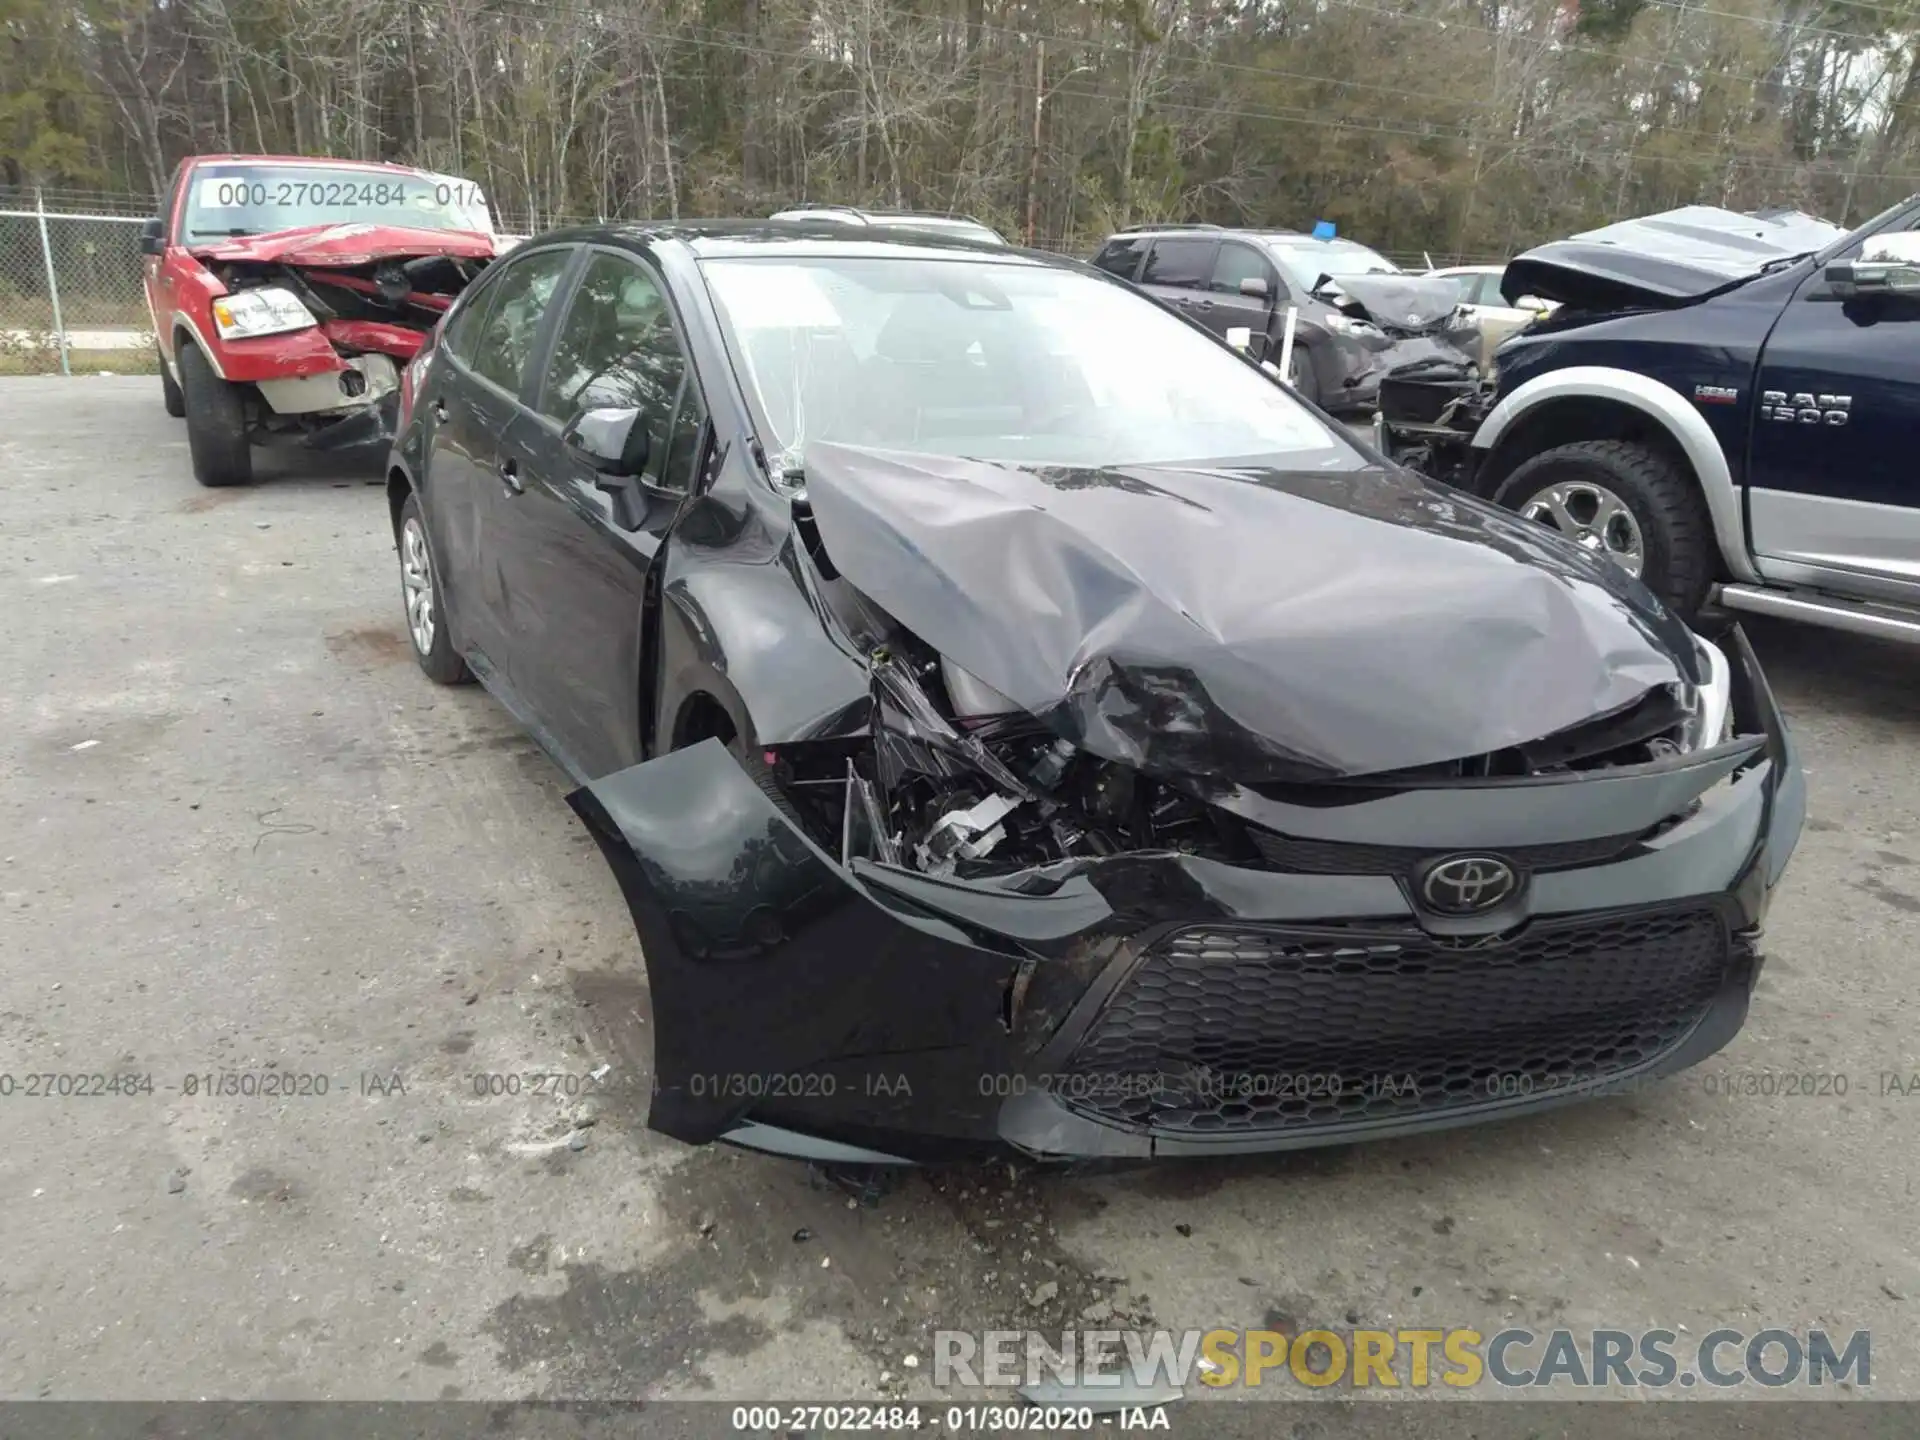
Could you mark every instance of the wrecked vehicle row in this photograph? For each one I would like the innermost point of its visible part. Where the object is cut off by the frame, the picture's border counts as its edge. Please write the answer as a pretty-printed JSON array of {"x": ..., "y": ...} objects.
[
  {"x": 1015, "y": 720},
  {"x": 1336, "y": 316},
  {"x": 288, "y": 295},
  {"x": 1722, "y": 405}
]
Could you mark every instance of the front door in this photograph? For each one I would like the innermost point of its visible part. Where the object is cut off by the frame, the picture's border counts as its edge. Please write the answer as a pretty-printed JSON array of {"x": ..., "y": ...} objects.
[
  {"x": 1233, "y": 309},
  {"x": 1836, "y": 407},
  {"x": 574, "y": 560}
]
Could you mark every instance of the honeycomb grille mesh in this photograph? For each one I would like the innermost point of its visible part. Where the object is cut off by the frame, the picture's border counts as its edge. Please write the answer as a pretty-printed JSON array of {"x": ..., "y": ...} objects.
[{"x": 1231, "y": 1028}]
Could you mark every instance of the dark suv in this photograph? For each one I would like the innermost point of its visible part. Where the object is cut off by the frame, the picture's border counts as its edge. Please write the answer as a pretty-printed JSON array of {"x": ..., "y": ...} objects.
[{"x": 1358, "y": 315}]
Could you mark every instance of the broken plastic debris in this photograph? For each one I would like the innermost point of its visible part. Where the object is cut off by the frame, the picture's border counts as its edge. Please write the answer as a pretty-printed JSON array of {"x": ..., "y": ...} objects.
[
  {"x": 600, "y": 1072},
  {"x": 86, "y": 744}
]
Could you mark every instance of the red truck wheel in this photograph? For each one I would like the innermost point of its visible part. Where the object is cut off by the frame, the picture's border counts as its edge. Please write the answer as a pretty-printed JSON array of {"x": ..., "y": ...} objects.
[
  {"x": 216, "y": 423},
  {"x": 170, "y": 395}
]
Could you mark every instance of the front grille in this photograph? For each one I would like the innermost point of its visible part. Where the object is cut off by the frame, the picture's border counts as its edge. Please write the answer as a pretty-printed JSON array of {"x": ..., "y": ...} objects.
[
  {"x": 1230, "y": 1028},
  {"x": 1334, "y": 857}
]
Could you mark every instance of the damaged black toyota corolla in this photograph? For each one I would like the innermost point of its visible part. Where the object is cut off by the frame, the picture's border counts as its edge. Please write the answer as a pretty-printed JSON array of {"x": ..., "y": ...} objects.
[{"x": 1015, "y": 720}]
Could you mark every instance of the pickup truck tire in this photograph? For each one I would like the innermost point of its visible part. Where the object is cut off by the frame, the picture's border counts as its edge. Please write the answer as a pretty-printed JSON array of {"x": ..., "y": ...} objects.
[
  {"x": 216, "y": 423},
  {"x": 1676, "y": 533},
  {"x": 170, "y": 395}
]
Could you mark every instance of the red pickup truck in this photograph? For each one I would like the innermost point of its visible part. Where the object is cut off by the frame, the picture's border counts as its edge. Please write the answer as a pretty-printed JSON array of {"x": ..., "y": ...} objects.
[{"x": 287, "y": 295}]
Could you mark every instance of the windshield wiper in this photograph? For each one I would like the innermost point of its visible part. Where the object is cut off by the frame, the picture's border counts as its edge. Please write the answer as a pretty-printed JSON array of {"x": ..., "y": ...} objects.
[
  {"x": 225, "y": 234},
  {"x": 1785, "y": 261}
]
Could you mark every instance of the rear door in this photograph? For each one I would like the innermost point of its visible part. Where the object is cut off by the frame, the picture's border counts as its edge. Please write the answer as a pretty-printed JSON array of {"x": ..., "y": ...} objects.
[
  {"x": 470, "y": 397},
  {"x": 1179, "y": 270},
  {"x": 1121, "y": 256},
  {"x": 574, "y": 561},
  {"x": 1836, "y": 406}
]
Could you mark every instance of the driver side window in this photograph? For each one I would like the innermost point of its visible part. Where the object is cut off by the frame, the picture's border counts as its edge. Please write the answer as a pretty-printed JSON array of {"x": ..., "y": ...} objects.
[{"x": 616, "y": 349}]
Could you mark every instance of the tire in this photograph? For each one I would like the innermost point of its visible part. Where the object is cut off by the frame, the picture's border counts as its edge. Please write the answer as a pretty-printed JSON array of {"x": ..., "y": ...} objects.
[
  {"x": 170, "y": 395},
  {"x": 1301, "y": 373},
  {"x": 216, "y": 423},
  {"x": 426, "y": 617},
  {"x": 1660, "y": 495}
]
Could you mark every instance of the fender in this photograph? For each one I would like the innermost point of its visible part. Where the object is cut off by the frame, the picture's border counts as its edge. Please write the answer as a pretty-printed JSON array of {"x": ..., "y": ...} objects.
[
  {"x": 744, "y": 635},
  {"x": 1659, "y": 402},
  {"x": 184, "y": 321}
]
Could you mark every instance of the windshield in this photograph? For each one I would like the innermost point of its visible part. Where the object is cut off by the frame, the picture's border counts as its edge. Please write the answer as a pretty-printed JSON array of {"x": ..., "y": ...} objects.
[
  {"x": 226, "y": 200},
  {"x": 995, "y": 362},
  {"x": 1307, "y": 263}
]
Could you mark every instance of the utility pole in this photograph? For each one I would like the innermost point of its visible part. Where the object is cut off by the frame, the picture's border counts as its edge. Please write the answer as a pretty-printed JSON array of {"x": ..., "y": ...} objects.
[{"x": 1033, "y": 160}]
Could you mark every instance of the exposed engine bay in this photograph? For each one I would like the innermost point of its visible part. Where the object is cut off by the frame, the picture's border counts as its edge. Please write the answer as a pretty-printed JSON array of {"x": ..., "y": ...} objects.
[
  {"x": 385, "y": 306},
  {"x": 1427, "y": 418},
  {"x": 1156, "y": 710},
  {"x": 957, "y": 782}
]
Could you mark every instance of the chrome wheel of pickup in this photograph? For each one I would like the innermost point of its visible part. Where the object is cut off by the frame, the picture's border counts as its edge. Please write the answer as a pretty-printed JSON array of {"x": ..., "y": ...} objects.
[{"x": 1594, "y": 517}]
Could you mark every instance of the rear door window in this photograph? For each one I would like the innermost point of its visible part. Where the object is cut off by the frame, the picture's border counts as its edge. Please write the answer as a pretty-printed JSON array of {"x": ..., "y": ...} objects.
[
  {"x": 503, "y": 341},
  {"x": 1187, "y": 263},
  {"x": 1120, "y": 256}
]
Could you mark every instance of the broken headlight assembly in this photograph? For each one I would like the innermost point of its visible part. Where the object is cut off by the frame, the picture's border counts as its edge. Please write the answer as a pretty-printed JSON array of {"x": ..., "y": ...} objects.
[
  {"x": 1342, "y": 324},
  {"x": 1709, "y": 719},
  {"x": 267, "y": 310}
]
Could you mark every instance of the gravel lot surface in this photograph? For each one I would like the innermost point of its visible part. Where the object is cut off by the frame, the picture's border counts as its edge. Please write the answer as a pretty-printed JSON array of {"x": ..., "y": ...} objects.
[{"x": 239, "y": 832}]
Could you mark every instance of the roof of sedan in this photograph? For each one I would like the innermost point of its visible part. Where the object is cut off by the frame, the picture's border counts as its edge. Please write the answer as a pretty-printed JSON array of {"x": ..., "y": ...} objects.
[{"x": 730, "y": 239}]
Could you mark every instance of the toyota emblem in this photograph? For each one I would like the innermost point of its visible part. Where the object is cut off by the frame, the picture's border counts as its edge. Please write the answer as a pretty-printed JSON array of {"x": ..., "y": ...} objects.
[{"x": 1468, "y": 884}]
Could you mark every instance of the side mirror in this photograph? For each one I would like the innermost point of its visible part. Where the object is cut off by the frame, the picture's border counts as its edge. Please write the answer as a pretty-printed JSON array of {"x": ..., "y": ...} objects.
[
  {"x": 1255, "y": 288},
  {"x": 613, "y": 444},
  {"x": 610, "y": 442},
  {"x": 153, "y": 236},
  {"x": 1887, "y": 265}
]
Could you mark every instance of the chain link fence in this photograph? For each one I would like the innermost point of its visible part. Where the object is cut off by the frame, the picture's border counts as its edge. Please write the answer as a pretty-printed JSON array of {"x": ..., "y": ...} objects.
[{"x": 71, "y": 296}]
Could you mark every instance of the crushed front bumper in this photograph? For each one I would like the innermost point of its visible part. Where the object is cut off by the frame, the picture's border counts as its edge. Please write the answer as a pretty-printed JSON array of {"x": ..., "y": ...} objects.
[
  {"x": 1363, "y": 362},
  {"x": 1163, "y": 1004}
]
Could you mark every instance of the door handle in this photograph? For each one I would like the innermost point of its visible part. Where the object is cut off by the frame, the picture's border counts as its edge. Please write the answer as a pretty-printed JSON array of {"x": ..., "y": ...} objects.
[
  {"x": 439, "y": 410},
  {"x": 510, "y": 477}
]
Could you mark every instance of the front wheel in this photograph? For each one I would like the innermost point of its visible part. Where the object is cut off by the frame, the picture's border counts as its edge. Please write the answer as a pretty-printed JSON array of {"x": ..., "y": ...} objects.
[
  {"x": 1301, "y": 375},
  {"x": 216, "y": 423},
  {"x": 170, "y": 395},
  {"x": 1636, "y": 506}
]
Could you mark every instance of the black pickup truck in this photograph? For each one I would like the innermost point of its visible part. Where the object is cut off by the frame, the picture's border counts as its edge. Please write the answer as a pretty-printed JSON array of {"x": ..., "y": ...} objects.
[{"x": 1724, "y": 403}]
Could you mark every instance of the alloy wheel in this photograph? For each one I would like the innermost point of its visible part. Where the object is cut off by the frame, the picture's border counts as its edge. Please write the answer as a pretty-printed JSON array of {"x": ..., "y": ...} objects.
[
  {"x": 1594, "y": 518},
  {"x": 416, "y": 581}
]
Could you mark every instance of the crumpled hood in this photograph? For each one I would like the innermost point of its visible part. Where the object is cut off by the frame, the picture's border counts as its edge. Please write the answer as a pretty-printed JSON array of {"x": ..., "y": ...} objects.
[
  {"x": 1404, "y": 302},
  {"x": 1249, "y": 624},
  {"x": 349, "y": 244},
  {"x": 1663, "y": 260}
]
